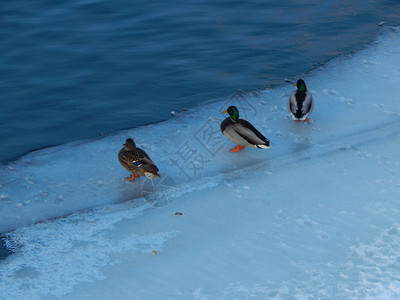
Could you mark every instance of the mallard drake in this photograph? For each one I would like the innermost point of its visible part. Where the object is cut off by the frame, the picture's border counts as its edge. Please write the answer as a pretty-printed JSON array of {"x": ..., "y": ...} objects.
[
  {"x": 241, "y": 132},
  {"x": 136, "y": 161},
  {"x": 300, "y": 103}
]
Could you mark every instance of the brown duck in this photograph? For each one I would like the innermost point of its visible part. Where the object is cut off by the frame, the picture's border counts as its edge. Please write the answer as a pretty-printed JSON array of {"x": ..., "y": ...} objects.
[{"x": 136, "y": 161}]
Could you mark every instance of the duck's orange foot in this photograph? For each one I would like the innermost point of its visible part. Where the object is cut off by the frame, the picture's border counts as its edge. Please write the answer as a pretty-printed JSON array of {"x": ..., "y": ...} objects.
[
  {"x": 297, "y": 120},
  {"x": 237, "y": 148},
  {"x": 306, "y": 120},
  {"x": 132, "y": 177}
]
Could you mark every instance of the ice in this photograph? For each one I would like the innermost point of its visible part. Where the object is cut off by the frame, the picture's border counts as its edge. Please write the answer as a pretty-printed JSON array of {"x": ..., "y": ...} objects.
[{"x": 316, "y": 216}]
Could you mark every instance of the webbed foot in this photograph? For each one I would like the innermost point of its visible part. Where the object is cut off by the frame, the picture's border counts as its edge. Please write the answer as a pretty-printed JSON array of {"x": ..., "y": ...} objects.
[
  {"x": 237, "y": 148},
  {"x": 132, "y": 177}
]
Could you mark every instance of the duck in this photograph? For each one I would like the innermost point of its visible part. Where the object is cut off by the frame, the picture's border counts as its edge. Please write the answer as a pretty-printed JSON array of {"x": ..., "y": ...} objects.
[
  {"x": 241, "y": 132},
  {"x": 300, "y": 103},
  {"x": 136, "y": 161}
]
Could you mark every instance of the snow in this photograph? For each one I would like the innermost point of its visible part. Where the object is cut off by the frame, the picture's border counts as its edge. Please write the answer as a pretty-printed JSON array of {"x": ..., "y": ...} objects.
[{"x": 315, "y": 216}]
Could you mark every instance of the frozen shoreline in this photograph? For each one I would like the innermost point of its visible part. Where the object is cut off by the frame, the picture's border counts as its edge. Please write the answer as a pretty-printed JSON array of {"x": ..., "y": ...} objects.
[{"x": 287, "y": 222}]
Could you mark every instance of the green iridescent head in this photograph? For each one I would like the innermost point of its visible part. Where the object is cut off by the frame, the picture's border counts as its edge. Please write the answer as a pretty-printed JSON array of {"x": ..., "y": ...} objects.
[
  {"x": 233, "y": 113},
  {"x": 301, "y": 85}
]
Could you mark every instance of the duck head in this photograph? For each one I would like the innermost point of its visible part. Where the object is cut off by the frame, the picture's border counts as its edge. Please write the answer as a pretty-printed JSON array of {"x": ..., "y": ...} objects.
[
  {"x": 129, "y": 144},
  {"x": 233, "y": 113},
  {"x": 301, "y": 85}
]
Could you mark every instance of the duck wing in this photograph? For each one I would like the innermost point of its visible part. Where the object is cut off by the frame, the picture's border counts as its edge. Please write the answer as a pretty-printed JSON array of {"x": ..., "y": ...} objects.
[
  {"x": 292, "y": 103},
  {"x": 145, "y": 163},
  {"x": 141, "y": 154},
  {"x": 300, "y": 104},
  {"x": 308, "y": 104},
  {"x": 248, "y": 132}
]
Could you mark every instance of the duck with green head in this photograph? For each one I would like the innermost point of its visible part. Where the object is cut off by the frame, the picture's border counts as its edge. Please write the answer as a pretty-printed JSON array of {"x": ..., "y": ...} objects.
[
  {"x": 300, "y": 103},
  {"x": 241, "y": 132},
  {"x": 136, "y": 161}
]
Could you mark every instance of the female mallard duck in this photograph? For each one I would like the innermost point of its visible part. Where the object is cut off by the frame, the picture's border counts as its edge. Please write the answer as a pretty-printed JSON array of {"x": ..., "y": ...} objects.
[
  {"x": 136, "y": 161},
  {"x": 300, "y": 103},
  {"x": 241, "y": 132}
]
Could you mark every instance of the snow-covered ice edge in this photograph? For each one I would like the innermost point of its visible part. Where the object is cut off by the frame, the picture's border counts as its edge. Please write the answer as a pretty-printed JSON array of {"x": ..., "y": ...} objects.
[{"x": 314, "y": 216}]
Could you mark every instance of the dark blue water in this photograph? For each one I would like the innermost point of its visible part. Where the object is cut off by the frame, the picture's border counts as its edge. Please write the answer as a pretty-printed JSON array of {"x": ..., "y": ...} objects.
[{"x": 76, "y": 70}]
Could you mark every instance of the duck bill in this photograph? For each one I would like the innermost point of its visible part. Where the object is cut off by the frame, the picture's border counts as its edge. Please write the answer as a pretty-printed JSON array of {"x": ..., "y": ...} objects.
[{"x": 225, "y": 112}]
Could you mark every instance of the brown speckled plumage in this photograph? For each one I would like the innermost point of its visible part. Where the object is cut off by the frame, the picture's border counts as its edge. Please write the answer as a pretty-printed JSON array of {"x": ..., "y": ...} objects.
[{"x": 136, "y": 161}]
